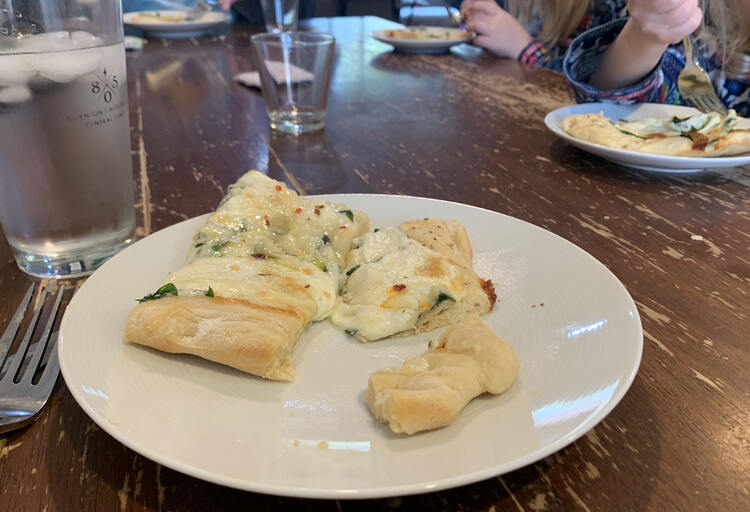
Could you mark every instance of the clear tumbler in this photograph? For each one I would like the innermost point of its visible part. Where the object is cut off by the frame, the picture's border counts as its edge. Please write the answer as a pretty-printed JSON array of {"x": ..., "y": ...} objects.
[
  {"x": 295, "y": 73},
  {"x": 66, "y": 181}
]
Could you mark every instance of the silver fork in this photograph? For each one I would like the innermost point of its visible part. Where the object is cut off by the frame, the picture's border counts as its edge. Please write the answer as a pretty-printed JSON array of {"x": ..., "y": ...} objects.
[
  {"x": 455, "y": 16},
  {"x": 197, "y": 11},
  {"x": 21, "y": 400},
  {"x": 695, "y": 85}
]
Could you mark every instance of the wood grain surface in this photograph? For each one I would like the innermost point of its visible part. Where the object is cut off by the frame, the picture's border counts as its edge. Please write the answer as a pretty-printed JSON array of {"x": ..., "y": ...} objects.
[{"x": 465, "y": 127}]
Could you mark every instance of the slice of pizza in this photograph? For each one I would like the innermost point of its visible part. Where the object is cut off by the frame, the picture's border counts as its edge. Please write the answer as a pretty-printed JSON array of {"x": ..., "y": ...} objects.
[
  {"x": 265, "y": 265},
  {"x": 430, "y": 390},
  {"x": 410, "y": 279},
  {"x": 701, "y": 135}
]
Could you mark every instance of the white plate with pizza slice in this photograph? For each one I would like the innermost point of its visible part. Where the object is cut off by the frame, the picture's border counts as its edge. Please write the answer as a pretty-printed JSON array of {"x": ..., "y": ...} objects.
[
  {"x": 573, "y": 325},
  {"x": 645, "y": 161},
  {"x": 423, "y": 39},
  {"x": 172, "y": 24}
]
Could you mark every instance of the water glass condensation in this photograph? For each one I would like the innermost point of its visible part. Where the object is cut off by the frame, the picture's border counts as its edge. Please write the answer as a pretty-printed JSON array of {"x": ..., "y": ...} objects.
[
  {"x": 295, "y": 73},
  {"x": 66, "y": 181},
  {"x": 280, "y": 15}
]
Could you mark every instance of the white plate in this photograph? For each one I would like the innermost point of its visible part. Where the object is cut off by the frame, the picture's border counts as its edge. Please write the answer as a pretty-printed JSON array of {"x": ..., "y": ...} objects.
[
  {"x": 431, "y": 46},
  {"x": 660, "y": 163},
  {"x": 579, "y": 353},
  {"x": 209, "y": 21}
]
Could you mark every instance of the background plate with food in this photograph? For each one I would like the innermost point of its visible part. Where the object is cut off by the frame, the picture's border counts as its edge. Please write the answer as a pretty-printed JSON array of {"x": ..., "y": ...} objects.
[
  {"x": 555, "y": 121},
  {"x": 423, "y": 39},
  {"x": 172, "y": 24}
]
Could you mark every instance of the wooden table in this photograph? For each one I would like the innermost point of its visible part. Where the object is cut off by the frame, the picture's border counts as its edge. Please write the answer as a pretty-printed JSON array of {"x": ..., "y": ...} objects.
[{"x": 468, "y": 128}]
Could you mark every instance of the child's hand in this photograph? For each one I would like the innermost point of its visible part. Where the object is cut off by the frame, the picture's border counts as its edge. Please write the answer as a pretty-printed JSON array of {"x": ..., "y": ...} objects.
[
  {"x": 226, "y": 4},
  {"x": 496, "y": 30},
  {"x": 664, "y": 21}
]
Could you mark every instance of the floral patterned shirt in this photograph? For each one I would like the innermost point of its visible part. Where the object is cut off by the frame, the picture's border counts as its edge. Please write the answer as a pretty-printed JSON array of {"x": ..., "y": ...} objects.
[
  {"x": 551, "y": 56},
  {"x": 660, "y": 86}
]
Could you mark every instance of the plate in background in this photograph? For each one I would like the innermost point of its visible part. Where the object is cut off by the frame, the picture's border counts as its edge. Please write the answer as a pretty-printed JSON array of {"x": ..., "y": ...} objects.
[
  {"x": 423, "y": 46},
  {"x": 156, "y": 28},
  {"x": 645, "y": 161}
]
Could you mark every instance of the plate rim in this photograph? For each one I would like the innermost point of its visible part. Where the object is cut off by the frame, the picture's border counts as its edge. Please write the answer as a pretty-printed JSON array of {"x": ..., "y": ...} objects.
[
  {"x": 382, "y": 491},
  {"x": 657, "y": 163}
]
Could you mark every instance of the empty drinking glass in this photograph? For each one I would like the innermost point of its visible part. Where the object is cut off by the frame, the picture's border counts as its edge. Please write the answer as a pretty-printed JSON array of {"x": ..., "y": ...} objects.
[{"x": 295, "y": 72}]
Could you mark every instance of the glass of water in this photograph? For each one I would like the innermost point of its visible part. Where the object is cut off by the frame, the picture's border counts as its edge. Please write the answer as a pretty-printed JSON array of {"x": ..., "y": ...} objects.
[
  {"x": 66, "y": 181},
  {"x": 280, "y": 15},
  {"x": 295, "y": 72}
]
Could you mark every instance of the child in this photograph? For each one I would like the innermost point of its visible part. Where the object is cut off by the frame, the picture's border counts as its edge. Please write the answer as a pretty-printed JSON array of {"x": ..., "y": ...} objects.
[
  {"x": 631, "y": 60},
  {"x": 536, "y": 32}
]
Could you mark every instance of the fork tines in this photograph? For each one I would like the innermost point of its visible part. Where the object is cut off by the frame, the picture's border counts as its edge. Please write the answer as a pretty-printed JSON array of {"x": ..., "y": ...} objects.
[{"x": 45, "y": 342}]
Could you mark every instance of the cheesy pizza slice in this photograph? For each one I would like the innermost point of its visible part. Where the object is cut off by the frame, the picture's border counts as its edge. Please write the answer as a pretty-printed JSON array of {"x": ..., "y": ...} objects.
[
  {"x": 414, "y": 278},
  {"x": 264, "y": 265},
  {"x": 703, "y": 135}
]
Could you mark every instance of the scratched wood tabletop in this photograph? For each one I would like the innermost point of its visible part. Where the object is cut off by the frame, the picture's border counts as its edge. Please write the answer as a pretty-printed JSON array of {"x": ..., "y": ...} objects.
[{"x": 468, "y": 128}]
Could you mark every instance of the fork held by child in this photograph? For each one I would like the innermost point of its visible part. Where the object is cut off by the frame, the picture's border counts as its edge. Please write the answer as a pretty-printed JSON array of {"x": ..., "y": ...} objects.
[{"x": 653, "y": 25}]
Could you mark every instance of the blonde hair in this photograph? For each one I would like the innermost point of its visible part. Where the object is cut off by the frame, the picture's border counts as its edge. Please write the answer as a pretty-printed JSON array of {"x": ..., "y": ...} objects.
[
  {"x": 559, "y": 18},
  {"x": 727, "y": 32}
]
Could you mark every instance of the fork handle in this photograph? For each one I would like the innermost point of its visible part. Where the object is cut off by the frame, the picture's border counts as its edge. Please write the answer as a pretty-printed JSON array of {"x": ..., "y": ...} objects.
[{"x": 688, "y": 44}]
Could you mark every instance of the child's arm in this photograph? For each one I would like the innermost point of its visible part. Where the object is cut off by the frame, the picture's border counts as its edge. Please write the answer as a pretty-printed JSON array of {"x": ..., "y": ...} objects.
[{"x": 636, "y": 51}]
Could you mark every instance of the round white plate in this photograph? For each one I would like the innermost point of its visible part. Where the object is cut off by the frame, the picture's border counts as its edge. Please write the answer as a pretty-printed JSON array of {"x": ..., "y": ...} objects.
[
  {"x": 209, "y": 21},
  {"x": 659, "y": 163},
  {"x": 575, "y": 328},
  {"x": 413, "y": 46}
]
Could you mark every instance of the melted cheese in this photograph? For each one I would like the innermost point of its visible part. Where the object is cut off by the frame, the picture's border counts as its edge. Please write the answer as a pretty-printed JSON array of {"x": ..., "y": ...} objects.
[
  {"x": 389, "y": 281},
  {"x": 284, "y": 282},
  {"x": 266, "y": 244},
  {"x": 712, "y": 124},
  {"x": 262, "y": 216}
]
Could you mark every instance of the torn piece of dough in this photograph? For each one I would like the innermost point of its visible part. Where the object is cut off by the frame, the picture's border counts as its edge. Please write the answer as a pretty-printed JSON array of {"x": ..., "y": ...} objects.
[{"x": 429, "y": 391}]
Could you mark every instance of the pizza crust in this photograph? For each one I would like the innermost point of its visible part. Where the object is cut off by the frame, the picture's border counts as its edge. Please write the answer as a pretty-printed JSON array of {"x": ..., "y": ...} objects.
[{"x": 250, "y": 337}]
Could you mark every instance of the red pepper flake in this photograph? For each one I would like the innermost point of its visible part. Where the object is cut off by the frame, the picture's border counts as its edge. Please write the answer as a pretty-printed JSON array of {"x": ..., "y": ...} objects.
[
  {"x": 317, "y": 210},
  {"x": 307, "y": 286},
  {"x": 258, "y": 256},
  {"x": 298, "y": 210},
  {"x": 342, "y": 227},
  {"x": 264, "y": 274},
  {"x": 266, "y": 219},
  {"x": 278, "y": 188},
  {"x": 399, "y": 287}
]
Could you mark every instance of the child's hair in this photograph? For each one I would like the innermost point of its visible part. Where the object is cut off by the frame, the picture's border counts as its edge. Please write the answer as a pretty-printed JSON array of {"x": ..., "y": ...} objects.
[
  {"x": 559, "y": 18},
  {"x": 727, "y": 32}
]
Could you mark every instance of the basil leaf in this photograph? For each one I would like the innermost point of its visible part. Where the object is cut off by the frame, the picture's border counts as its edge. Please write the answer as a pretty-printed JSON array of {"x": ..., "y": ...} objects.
[
  {"x": 633, "y": 134},
  {"x": 442, "y": 297},
  {"x": 348, "y": 213},
  {"x": 163, "y": 291},
  {"x": 209, "y": 292},
  {"x": 351, "y": 270}
]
